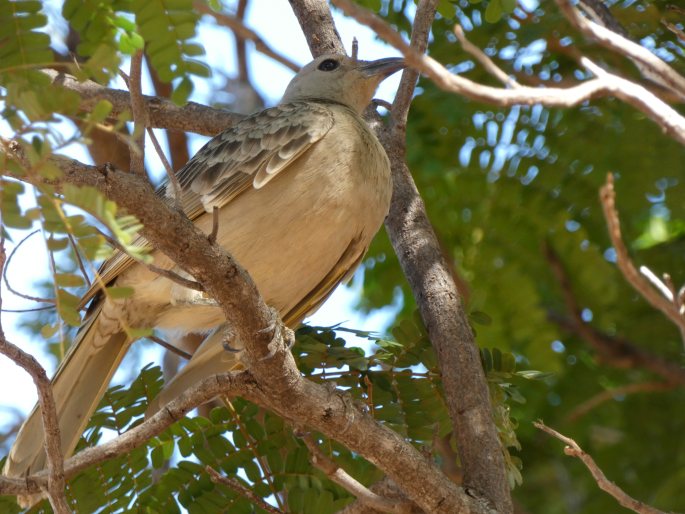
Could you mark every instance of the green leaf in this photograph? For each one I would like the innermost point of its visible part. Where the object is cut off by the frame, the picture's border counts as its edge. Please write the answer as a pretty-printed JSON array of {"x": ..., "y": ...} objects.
[
  {"x": 493, "y": 12},
  {"x": 68, "y": 280},
  {"x": 181, "y": 92}
]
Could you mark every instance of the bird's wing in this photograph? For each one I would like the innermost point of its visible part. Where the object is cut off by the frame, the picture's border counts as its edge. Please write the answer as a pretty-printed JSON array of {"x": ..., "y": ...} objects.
[
  {"x": 250, "y": 153},
  {"x": 254, "y": 151}
]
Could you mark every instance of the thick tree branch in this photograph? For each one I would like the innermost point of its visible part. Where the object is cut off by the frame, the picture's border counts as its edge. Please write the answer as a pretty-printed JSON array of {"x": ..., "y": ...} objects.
[
  {"x": 573, "y": 450},
  {"x": 438, "y": 299},
  {"x": 419, "y": 253},
  {"x": 318, "y": 28},
  {"x": 163, "y": 113}
]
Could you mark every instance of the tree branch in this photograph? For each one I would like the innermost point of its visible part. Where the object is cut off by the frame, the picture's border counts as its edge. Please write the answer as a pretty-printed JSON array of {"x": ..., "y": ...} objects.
[
  {"x": 613, "y": 350},
  {"x": 140, "y": 118},
  {"x": 573, "y": 450},
  {"x": 163, "y": 113},
  {"x": 350, "y": 484},
  {"x": 438, "y": 299},
  {"x": 583, "y": 408},
  {"x": 669, "y": 307},
  {"x": 246, "y": 34},
  {"x": 53, "y": 451},
  {"x": 241, "y": 489},
  {"x": 657, "y": 68},
  {"x": 316, "y": 21},
  {"x": 605, "y": 85}
]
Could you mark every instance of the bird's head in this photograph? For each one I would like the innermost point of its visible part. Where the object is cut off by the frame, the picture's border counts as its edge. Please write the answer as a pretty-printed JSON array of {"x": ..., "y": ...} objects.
[{"x": 341, "y": 79}]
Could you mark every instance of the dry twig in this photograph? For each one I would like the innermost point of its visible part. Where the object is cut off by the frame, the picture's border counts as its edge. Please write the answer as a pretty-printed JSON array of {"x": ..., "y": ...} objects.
[
  {"x": 140, "y": 117},
  {"x": 245, "y": 33},
  {"x": 605, "y": 85},
  {"x": 53, "y": 450},
  {"x": 349, "y": 483},
  {"x": 242, "y": 490},
  {"x": 482, "y": 58},
  {"x": 591, "y": 403},
  {"x": 625, "y": 264},
  {"x": 573, "y": 450}
]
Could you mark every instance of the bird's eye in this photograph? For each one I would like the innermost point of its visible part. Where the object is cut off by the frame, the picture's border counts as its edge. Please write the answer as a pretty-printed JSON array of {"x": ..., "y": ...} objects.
[{"x": 329, "y": 65}]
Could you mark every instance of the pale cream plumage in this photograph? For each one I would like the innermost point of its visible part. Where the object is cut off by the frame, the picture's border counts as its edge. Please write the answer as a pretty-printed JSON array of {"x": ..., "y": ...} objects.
[{"x": 302, "y": 189}]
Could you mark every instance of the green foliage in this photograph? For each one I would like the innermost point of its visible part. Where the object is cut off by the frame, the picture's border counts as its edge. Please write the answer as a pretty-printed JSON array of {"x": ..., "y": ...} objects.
[{"x": 168, "y": 27}]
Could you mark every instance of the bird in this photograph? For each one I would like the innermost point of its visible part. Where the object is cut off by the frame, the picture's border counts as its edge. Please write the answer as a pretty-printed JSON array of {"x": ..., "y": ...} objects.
[{"x": 301, "y": 189}]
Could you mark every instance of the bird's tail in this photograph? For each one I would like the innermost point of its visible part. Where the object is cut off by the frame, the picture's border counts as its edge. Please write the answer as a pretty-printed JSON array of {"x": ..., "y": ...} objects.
[
  {"x": 77, "y": 387},
  {"x": 213, "y": 356}
]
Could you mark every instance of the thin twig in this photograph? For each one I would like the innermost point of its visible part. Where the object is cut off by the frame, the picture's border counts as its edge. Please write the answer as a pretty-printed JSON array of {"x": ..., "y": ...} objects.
[
  {"x": 7, "y": 282},
  {"x": 174, "y": 277},
  {"x": 79, "y": 259},
  {"x": 173, "y": 179},
  {"x": 613, "y": 350},
  {"x": 482, "y": 58},
  {"x": 53, "y": 450},
  {"x": 657, "y": 68},
  {"x": 139, "y": 114},
  {"x": 657, "y": 282},
  {"x": 350, "y": 484},
  {"x": 643, "y": 387},
  {"x": 242, "y": 490},
  {"x": 573, "y": 450},
  {"x": 243, "y": 32},
  {"x": 173, "y": 349},
  {"x": 670, "y": 26},
  {"x": 624, "y": 263}
]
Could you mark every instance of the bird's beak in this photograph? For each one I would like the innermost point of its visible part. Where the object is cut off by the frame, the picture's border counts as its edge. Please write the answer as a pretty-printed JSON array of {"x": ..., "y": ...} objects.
[{"x": 382, "y": 67}]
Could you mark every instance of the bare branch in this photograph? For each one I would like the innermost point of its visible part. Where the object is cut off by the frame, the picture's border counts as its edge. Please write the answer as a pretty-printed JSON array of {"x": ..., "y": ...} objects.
[
  {"x": 480, "y": 56},
  {"x": 609, "y": 394},
  {"x": 657, "y": 68},
  {"x": 625, "y": 264},
  {"x": 173, "y": 179},
  {"x": 613, "y": 350},
  {"x": 349, "y": 483},
  {"x": 174, "y": 277},
  {"x": 244, "y": 33},
  {"x": 242, "y": 490},
  {"x": 140, "y": 118},
  {"x": 226, "y": 383},
  {"x": 573, "y": 450},
  {"x": 170, "y": 347},
  {"x": 318, "y": 28},
  {"x": 606, "y": 85},
  {"x": 439, "y": 301},
  {"x": 53, "y": 451},
  {"x": 5, "y": 267},
  {"x": 163, "y": 113}
]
